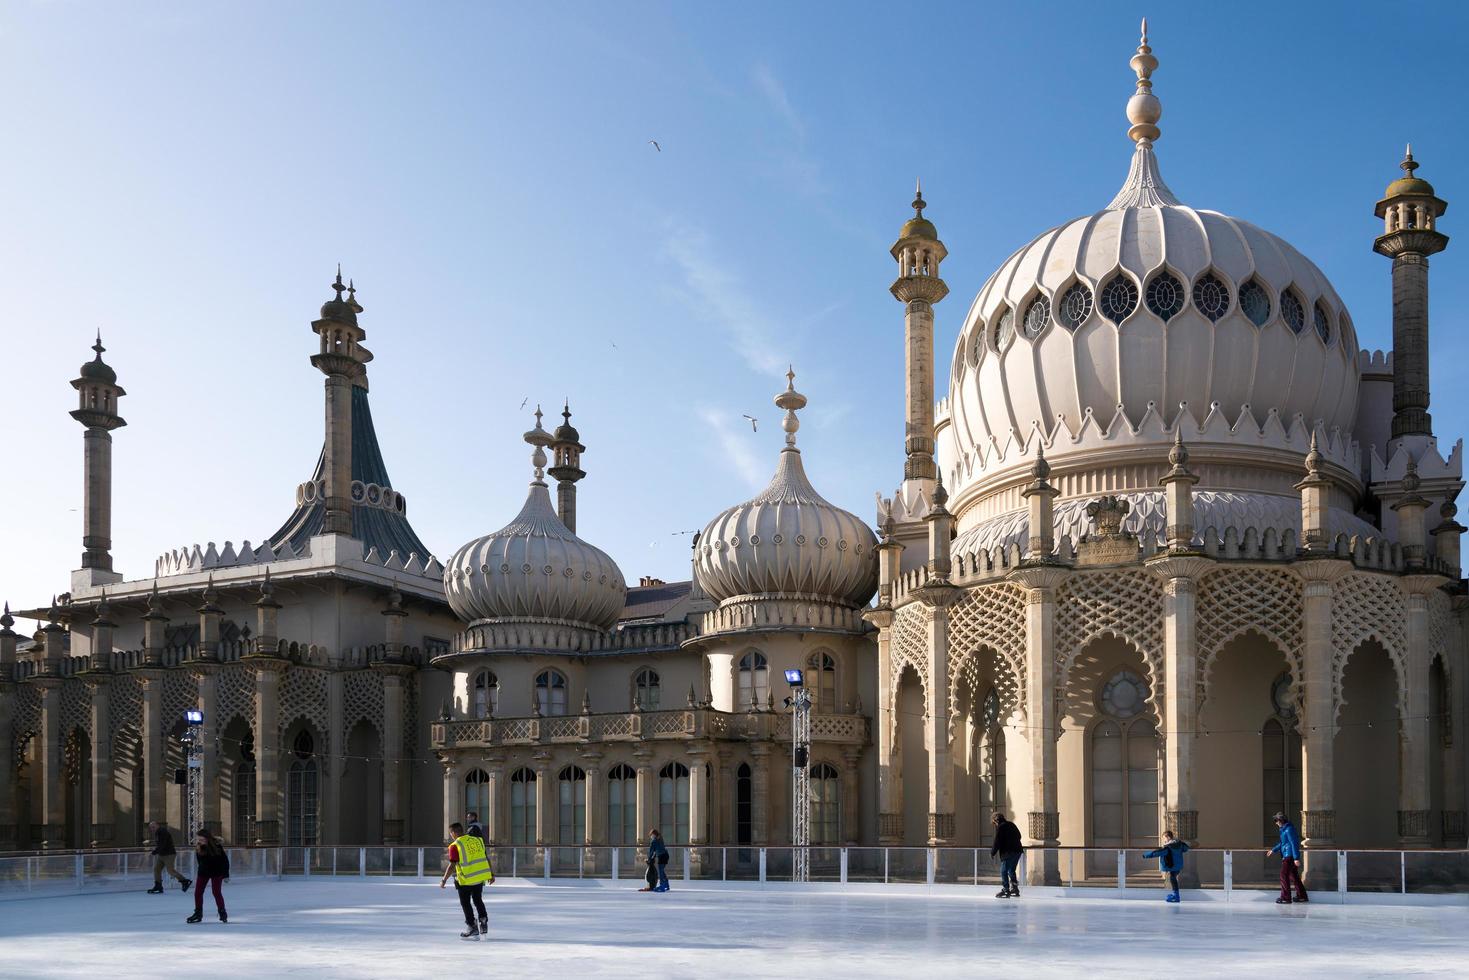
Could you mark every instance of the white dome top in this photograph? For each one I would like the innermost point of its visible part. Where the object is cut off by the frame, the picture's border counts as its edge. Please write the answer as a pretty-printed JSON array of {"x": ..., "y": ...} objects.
[
  {"x": 1149, "y": 302},
  {"x": 534, "y": 569},
  {"x": 788, "y": 540}
]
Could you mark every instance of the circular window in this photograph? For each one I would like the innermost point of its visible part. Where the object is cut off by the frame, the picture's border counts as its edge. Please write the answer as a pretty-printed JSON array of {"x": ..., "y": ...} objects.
[
  {"x": 1125, "y": 695},
  {"x": 1036, "y": 315},
  {"x": 1211, "y": 296},
  {"x": 1255, "y": 302},
  {"x": 1323, "y": 323},
  {"x": 1165, "y": 296},
  {"x": 1004, "y": 330},
  {"x": 1280, "y": 697},
  {"x": 1119, "y": 298},
  {"x": 1292, "y": 312},
  {"x": 1076, "y": 306}
]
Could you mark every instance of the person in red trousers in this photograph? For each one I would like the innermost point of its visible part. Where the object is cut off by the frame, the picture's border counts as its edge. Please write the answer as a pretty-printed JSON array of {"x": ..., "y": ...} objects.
[
  {"x": 214, "y": 870},
  {"x": 1289, "y": 850}
]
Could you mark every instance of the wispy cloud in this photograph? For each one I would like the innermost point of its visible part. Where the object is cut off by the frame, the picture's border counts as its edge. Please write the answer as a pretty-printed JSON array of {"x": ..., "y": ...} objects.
[
  {"x": 775, "y": 94},
  {"x": 734, "y": 446},
  {"x": 795, "y": 165},
  {"x": 719, "y": 295}
]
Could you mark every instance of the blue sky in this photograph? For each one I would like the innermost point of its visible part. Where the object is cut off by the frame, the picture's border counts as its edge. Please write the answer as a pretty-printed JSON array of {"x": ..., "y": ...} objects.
[{"x": 187, "y": 176}]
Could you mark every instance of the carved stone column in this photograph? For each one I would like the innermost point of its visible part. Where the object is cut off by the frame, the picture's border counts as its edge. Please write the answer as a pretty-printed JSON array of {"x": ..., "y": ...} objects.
[
  {"x": 53, "y": 798},
  {"x": 1040, "y": 582},
  {"x": 155, "y": 781},
  {"x": 1414, "y": 796},
  {"x": 1180, "y": 574},
  {"x": 938, "y": 597},
  {"x": 497, "y": 804},
  {"x": 851, "y": 812},
  {"x": 333, "y": 753},
  {"x": 760, "y": 794},
  {"x": 395, "y": 679},
  {"x": 1456, "y": 769},
  {"x": 889, "y": 756},
  {"x": 596, "y": 828},
  {"x": 545, "y": 801},
  {"x": 206, "y": 674},
  {"x": 1319, "y": 792},
  {"x": 99, "y": 684},
  {"x": 269, "y": 670},
  {"x": 452, "y": 781}
]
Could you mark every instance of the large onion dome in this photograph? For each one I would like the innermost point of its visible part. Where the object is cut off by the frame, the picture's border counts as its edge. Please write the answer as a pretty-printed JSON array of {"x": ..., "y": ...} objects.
[
  {"x": 534, "y": 569},
  {"x": 788, "y": 541}
]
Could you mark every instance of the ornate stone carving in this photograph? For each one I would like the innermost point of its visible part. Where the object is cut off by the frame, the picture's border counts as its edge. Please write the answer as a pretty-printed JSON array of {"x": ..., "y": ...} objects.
[
  {"x": 1044, "y": 826},
  {"x": 941, "y": 826},
  {"x": 1413, "y": 824},
  {"x": 1320, "y": 825},
  {"x": 1184, "y": 823}
]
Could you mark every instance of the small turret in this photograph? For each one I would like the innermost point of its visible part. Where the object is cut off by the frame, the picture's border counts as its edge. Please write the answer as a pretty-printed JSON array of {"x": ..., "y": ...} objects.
[
  {"x": 97, "y": 394},
  {"x": 918, "y": 286},
  {"x": 566, "y": 450}
]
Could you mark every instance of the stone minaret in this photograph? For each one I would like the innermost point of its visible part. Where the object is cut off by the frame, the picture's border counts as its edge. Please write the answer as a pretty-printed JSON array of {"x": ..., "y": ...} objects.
[
  {"x": 98, "y": 392},
  {"x": 1409, "y": 211},
  {"x": 343, "y": 360},
  {"x": 918, "y": 286},
  {"x": 566, "y": 450}
]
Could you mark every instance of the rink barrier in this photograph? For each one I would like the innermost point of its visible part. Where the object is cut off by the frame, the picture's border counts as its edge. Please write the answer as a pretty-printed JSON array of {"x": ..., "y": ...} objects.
[{"x": 1403, "y": 877}]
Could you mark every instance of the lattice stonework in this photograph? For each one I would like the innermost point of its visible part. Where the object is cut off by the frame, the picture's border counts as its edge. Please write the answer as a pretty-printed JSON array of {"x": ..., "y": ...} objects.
[
  {"x": 1235, "y": 601},
  {"x": 362, "y": 695},
  {"x": 125, "y": 705},
  {"x": 76, "y": 708},
  {"x": 26, "y": 721},
  {"x": 303, "y": 695},
  {"x": 988, "y": 618},
  {"x": 236, "y": 695},
  {"x": 1368, "y": 607},
  {"x": 180, "y": 692},
  {"x": 1440, "y": 628},
  {"x": 909, "y": 646},
  {"x": 1127, "y": 605}
]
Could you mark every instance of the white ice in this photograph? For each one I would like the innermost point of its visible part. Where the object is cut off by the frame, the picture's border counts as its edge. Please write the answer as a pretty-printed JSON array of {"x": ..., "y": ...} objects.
[{"x": 397, "y": 928}]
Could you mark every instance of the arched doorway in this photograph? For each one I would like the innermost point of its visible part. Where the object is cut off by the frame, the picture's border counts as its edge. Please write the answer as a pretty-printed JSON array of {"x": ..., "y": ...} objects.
[
  {"x": 76, "y": 777},
  {"x": 1366, "y": 750},
  {"x": 303, "y": 800},
  {"x": 362, "y": 787},
  {"x": 912, "y": 782}
]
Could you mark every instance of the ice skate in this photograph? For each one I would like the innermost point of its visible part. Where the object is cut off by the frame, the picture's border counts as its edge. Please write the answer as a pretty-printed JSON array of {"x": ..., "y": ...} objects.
[
  {"x": 156, "y": 890},
  {"x": 196, "y": 917},
  {"x": 1003, "y": 893},
  {"x": 184, "y": 885},
  {"x": 224, "y": 916},
  {"x": 471, "y": 934},
  {"x": 484, "y": 927}
]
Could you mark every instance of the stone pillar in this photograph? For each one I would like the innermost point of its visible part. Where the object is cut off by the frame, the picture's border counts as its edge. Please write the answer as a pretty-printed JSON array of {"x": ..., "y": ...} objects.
[
  {"x": 698, "y": 794},
  {"x": 1414, "y": 780},
  {"x": 546, "y": 801},
  {"x": 1318, "y": 790},
  {"x": 497, "y": 803},
  {"x": 596, "y": 829},
  {"x": 1180, "y": 574},
  {"x": 647, "y": 811},
  {"x": 394, "y": 680},
  {"x": 103, "y": 809},
  {"x": 936, "y": 726},
  {"x": 207, "y": 675},
  {"x": 851, "y": 812},
  {"x": 333, "y": 757},
  {"x": 1044, "y": 821},
  {"x": 721, "y": 797},
  {"x": 760, "y": 794},
  {"x": 8, "y": 776},
  {"x": 1456, "y": 759},
  {"x": 48, "y": 753},
  {"x": 155, "y": 780},
  {"x": 889, "y": 756},
  {"x": 452, "y": 800},
  {"x": 1040, "y": 499}
]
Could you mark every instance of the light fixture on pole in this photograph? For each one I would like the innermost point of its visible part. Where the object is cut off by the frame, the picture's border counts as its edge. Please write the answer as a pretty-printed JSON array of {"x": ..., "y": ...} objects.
[
  {"x": 800, "y": 704},
  {"x": 193, "y": 741}
]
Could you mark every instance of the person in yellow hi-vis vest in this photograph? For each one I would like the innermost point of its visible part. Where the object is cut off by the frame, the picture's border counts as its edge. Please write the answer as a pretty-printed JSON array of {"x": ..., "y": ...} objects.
[{"x": 469, "y": 863}]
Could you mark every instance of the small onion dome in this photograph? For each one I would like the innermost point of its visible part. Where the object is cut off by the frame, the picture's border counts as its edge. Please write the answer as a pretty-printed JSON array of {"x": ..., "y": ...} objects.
[
  {"x": 96, "y": 369},
  {"x": 918, "y": 226},
  {"x": 339, "y": 309},
  {"x": 566, "y": 432},
  {"x": 534, "y": 569},
  {"x": 788, "y": 540},
  {"x": 1410, "y": 183}
]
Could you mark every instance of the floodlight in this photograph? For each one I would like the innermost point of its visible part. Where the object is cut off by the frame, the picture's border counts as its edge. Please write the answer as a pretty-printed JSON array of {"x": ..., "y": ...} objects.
[
  {"x": 194, "y": 716},
  {"x": 794, "y": 677}
]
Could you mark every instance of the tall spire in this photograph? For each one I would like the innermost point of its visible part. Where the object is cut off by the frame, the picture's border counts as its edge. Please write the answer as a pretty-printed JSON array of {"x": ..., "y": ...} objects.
[
  {"x": 792, "y": 401},
  {"x": 539, "y": 438},
  {"x": 1144, "y": 187}
]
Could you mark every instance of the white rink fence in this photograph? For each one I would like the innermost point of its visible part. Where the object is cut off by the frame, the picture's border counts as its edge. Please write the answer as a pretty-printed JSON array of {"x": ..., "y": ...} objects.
[{"x": 1388, "y": 877}]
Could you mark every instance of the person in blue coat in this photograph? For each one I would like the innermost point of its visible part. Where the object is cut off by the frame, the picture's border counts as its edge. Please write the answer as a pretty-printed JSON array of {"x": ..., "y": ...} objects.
[
  {"x": 658, "y": 853},
  {"x": 1170, "y": 861},
  {"x": 1289, "y": 850}
]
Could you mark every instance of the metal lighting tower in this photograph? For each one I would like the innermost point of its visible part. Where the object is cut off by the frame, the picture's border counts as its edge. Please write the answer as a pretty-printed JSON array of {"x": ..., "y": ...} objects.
[
  {"x": 800, "y": 704},
  {"x": 193, "y": 740}
]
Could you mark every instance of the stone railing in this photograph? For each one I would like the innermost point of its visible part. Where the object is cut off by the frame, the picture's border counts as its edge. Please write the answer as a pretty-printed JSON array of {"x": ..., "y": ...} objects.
[
  {"x": 686, "y": 723},
  {"x": 777, "y": 612}
]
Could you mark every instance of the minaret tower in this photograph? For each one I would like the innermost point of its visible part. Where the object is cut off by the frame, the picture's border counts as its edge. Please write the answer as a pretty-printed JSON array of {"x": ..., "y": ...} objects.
[
  {"x": 918, "y": 286},
  {"x": 343, "y": 360},
  {"x": 1410, "y": 211},
  {"x": 98, "y": 392},
  {"x": 566, "y": 450}
]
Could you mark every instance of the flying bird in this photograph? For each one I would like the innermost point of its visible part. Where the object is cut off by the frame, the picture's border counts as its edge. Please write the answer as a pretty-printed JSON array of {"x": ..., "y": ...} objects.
[
  {"x": 753, "y": 420},
  {"x": 656, "y": 146},
  {"x": 524, "y": 400}
]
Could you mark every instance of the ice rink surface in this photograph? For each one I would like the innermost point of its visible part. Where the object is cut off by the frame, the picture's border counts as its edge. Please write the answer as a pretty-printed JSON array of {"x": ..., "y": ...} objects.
[{"x": 388, "y": 928}]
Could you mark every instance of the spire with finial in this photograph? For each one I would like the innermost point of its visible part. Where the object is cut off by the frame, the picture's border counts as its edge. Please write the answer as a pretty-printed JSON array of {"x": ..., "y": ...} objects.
[
  {"x": 1144, "y": 186},
  {"x": 539, "y": 438},
  {"x": 918, "y": 204},
  {"x": 792, "y": 401},
  {"x": 6, "y": 620}
]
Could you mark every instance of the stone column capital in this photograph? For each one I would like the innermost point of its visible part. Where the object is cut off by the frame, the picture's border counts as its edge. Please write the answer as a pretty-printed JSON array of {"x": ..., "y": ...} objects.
[
  {"x": 1321, "y": 571},
  {"x": 1181, "y": 571},
  {"x": 1040, "y": 579}
]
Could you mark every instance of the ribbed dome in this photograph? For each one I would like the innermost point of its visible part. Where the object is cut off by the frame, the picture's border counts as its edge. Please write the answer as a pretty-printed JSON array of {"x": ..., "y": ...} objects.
[
  {"x": 534, "y": 569},
  {"x": 788, "y": 539}
]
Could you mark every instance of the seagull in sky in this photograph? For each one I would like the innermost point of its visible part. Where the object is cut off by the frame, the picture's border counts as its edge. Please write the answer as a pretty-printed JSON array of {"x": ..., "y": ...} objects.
[
  {"x": 524, "y": 400},
  {"x": 656, "y": 146},
  {"x": 753, "y": 420}
]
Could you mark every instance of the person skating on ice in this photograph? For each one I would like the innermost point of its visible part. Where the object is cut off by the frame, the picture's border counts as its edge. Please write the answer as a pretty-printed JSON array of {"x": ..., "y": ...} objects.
[
  {"x": 658, "y": 854},
  {"x": 470, "y": 866},
  {"x": 1170, "y": 861},
  {"x": 1289, "y": 850},
  {"x": 164, "y": 856},
  {"x": 1007, "y": 848},
  {"x": 214, "y": 870}
]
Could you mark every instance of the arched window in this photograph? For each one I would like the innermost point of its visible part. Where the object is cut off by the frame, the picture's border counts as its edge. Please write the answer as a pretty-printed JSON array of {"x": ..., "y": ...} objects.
[
  {"x": 744, "y": 798},
  {"x": 484, "y": 695},
  {"x": 1119, "y": 298},
  {"x": 245, "y": 792},
  {"x": 992, "y": 761},
  {"x": 821, "y": 678},
  {"x": 523, "y": 806},
  {"x": 646, "y": 690},
  {"x": 754, "y": 680},
  {"x": 825, "y": 804},
  {"x": 1280, "y": 753},
  {"x": 1124, "y": 766},
  {"x": 1254, "y": 302},
  {"x": 477, "y": 794},
  {"x": 673, "y": 802},
  {"x": 551, "y": 692},
  {"x": 622, "y": 805},
  {"x": 301, "y": 792},
  {"x": 1164, "y": 296},
  {"x": 572, "y": 825}
]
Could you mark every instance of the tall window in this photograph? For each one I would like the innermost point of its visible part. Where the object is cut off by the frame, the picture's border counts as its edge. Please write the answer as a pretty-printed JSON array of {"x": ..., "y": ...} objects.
[
  {"x": 992, "y": 761},
  {"x": 744, "y": 812},
  {"x": 1124, "y": 767},
  {"x": 825, "y": 805},
  {"x": 572, "y": 825},
  {"x": 485, "y": 695},
  {"x": 821, "y": 678},
  {"x": 646, "y": 690},
  {"x": 551, "y": 692},
  {"x": 622, "y": 805},
  {"x": 754, "y": 680},
  {"x": 301, "y": 792},
  {"x": 673, "y": 802},
  {"x": 1280, "y": 744},
  {"x": 523, "y": 806},
  {"x": 477, "y": 794},
  {"x": 245, "y": 792}
]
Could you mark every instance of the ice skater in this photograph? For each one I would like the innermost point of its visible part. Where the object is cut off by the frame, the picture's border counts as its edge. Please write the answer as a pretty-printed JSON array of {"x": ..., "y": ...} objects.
[
  {"x": 214, "y": 870},
  {"x": 470, "y": 867},
  {"x": 1007, "y": 848},
  {"x": 1289, "y": 850},
  {"x": 1170, "y": 861},
  {"x": 475, "y": 828},
  {"x": 164, "y": 856},
  {"x": 658, "y": 854}
]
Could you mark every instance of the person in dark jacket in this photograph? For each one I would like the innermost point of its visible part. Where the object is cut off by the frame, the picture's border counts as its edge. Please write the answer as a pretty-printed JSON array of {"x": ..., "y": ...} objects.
[
  {"x": 1170, "y": 861},
  {"x": 658, "y": 854},
  {"x": 1007, "y": 848},
  {"x": 164, "y": 856},
  {"x": 214, "y": 870},
  {"x": 1289, "y": 850},
  {"x": 475, "y": 828}
]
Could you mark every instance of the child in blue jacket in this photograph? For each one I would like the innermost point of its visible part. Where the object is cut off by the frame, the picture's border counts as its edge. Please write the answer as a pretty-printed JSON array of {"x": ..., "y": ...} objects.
[{"x": 1170, "y": 861}]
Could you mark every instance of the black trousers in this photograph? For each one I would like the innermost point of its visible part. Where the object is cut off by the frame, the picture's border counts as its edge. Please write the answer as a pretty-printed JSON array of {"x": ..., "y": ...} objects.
[{"x": 476, "y": 894}]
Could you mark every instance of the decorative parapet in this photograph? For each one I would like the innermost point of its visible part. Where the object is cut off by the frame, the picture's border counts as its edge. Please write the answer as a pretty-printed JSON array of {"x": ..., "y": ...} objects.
[
  {"x": 188, "y": 560},
  {"x": 682, "y": 724},
  {"x": 232, "y": 651},
  {"x": 1374, "y": 362},
  {"x": 774, "y": 612},
  {"x": 1434, "y": 470},
  {"x": 566, "y": 637}
]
